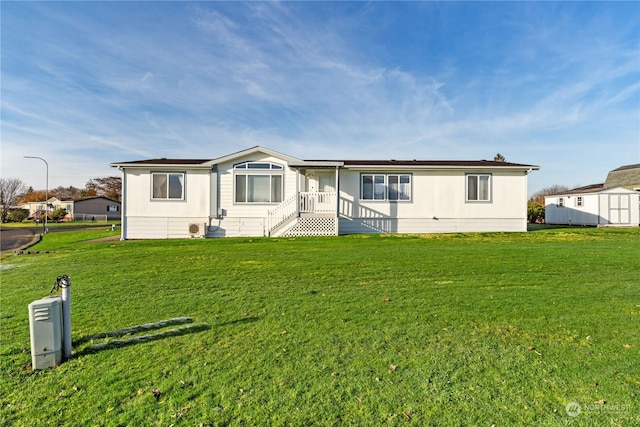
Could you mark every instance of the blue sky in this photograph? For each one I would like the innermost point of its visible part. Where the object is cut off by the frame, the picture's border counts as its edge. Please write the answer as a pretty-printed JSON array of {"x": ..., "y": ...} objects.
[{"x": 89, "y": 83}]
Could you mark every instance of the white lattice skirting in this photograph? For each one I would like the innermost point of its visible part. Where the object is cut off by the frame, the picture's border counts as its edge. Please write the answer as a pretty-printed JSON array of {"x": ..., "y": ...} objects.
[{"x": 313, "y": 227}]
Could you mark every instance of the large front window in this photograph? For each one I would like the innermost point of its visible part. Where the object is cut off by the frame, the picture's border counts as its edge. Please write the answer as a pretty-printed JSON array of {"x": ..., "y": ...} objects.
[
  {"x": 168, "y": 185},
  {"x": 392, "y": 187},
  {"x": 258, "y": 182},
  {"x": 478, "y": 188}
]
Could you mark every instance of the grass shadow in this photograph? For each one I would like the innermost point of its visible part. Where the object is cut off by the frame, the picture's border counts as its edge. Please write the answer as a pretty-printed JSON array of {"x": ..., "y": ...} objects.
[
  {"x": 134, "y": 329},
  {"x": 118, "y": 343}
]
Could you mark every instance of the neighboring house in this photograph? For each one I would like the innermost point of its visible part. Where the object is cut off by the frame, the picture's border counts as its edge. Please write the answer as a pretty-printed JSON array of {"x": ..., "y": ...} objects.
[
  {"x": 88, "y": 208},
  {"x": 96, "y": 208},
  {"x": 616, "y": 202},
  {"x": 260, "y": 192},
  {"x": 37, "y": 209}
]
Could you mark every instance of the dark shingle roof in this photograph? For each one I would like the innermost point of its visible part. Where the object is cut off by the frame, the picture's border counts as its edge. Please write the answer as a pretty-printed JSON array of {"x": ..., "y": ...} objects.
[
  {"x": 592, "y": 188},
  {"x": 455, "y": 163},
  {"x": 165, "y": 161},
  {"x": 352, "y": 163}
]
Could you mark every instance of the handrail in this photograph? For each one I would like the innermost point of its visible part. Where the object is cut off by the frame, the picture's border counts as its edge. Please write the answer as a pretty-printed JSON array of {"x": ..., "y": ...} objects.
[{"x": 282, "y": 212}]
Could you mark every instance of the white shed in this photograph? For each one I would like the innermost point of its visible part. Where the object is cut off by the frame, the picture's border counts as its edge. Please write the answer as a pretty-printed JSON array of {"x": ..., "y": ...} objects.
[
  {"x": 616, "y": 202},
  {"x": 594, "y": 205}
]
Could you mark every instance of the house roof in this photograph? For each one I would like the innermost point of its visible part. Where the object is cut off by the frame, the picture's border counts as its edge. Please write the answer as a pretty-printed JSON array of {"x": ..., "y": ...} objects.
[
  {"x": 437, "y": 163},
  {"x": 163, "y": 161},
  {"x": 96, "y": 197},
  {"x": 295, "y": 162}
]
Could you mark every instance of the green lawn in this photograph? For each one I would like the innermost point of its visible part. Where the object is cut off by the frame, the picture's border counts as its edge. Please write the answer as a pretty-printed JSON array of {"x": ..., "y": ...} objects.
[{"x": 459, "y": 329}]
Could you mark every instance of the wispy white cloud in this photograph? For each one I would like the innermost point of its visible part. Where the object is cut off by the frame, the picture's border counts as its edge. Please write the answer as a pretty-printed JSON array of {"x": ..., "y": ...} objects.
[{"x": 317, "y": 80}]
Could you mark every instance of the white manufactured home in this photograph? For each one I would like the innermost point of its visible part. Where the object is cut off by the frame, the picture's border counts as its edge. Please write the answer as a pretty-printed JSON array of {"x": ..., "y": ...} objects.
[
  {"x": 260, "y": 192},
  {"x": 616, "y": 202}
]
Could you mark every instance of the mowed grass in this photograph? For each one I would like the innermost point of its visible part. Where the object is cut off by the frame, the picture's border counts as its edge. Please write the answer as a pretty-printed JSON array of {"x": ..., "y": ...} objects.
[{"x": 457, "y": 329}]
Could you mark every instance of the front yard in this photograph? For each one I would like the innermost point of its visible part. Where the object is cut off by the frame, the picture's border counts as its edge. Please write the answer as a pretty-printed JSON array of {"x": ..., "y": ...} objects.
[{"x": 457, "y": 329}]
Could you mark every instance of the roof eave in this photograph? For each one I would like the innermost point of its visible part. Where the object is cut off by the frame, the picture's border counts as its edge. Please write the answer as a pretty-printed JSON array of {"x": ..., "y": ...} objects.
[
  {"x": 524, "y": 168},
  {"x": 158, "y": 166}
]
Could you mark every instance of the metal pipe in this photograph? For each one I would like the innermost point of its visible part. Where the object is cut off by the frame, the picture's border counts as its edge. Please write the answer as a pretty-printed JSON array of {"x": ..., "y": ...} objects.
[{"x": 66, "y": 316}]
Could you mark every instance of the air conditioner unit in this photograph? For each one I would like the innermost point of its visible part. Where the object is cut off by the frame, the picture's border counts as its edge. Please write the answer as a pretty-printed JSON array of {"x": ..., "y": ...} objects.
[{"x": 197, "y": 230}]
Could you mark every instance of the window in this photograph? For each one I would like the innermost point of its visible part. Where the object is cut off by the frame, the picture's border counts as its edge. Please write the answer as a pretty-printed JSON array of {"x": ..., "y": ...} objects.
[
  {"x": 113, "y": 208},
  {"x": 478, "y": 188},
  {"x": 391, "y": 187},
  {"x": 168, "y": 186},
  {"x": 561, "y": 202},
  {"x": 373, "y": 187},
  {"x": 258, "y": 182},
  {"x": 399, "y": 187},
  {"x": 579, "y": 201}
]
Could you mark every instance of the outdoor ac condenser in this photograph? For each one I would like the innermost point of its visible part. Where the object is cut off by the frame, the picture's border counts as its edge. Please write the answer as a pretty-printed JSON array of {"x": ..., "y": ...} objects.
[
  {"x": 45, "y": 324},
  {"x": 197, "y": 230}
]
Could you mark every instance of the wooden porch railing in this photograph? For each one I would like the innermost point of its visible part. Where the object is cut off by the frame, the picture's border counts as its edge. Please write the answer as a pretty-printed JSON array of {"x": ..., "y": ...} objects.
[
  {"x": 324, "y": 203},
  {"x": 303, "y": 202}
]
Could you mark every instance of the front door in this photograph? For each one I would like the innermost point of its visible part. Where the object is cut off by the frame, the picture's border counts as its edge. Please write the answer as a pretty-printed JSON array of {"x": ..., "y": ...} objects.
[
  {"x": 326, "y": 182},
  {"x": 322, "y": 187}
]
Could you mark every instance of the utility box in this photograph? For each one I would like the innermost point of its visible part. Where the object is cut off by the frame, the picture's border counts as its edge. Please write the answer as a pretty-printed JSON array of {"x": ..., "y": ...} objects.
[{"x": 45, "y": 325}]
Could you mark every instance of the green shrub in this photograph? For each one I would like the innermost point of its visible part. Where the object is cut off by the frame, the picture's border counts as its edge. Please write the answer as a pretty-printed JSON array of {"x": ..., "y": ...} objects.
[
  {"x": 58, "y": 214},
  {"x": 17, "y": 215},
  {"x": 535, "y": 213}
]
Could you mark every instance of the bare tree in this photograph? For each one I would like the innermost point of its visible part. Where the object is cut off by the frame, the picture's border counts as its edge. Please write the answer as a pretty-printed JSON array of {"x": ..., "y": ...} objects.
[
  {"x": 66, "y": 193},
  {"x": 110, "y": 186},
  {"x": 10, "y": 189},
  {"x": 31, "y": 195},
  {"x": 538, "y": 197}
]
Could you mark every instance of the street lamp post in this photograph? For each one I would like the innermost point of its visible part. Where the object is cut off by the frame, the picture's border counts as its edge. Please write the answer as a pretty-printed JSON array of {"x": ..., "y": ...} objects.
[{"x": 46, "y": 201}]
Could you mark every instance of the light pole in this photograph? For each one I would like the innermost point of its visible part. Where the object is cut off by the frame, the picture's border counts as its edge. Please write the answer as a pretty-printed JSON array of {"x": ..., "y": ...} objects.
[{"x": 46, "y": 201}]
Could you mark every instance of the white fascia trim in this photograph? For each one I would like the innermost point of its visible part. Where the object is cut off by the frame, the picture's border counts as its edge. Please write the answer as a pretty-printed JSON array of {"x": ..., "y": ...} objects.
[{"x": 253, "y": 150}]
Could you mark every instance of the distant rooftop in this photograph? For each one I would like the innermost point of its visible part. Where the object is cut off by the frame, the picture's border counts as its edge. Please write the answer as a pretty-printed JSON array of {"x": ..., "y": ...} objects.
[{"x": 625, "y": 176}]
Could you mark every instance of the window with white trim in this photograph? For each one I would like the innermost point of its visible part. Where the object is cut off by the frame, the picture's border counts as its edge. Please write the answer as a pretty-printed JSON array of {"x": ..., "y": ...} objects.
[
  {"x": 113, "y": 208},
  {"x": 167, "y": 185},
  {"x": 561, "y": 202},
  {"x": 478, "y": 187},
  {"x": 258, "y": 182},
  {"x": 390, "y": 187}
]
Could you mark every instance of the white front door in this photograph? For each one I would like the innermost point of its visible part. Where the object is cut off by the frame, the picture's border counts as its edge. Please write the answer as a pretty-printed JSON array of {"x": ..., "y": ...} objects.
[
  {"x": 326, "y": 182},
  {"x": 321, "y": 190}
]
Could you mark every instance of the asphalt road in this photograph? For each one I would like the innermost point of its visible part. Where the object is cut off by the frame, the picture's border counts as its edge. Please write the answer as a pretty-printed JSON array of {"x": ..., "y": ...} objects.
[{"x": 14, "y": 238}]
